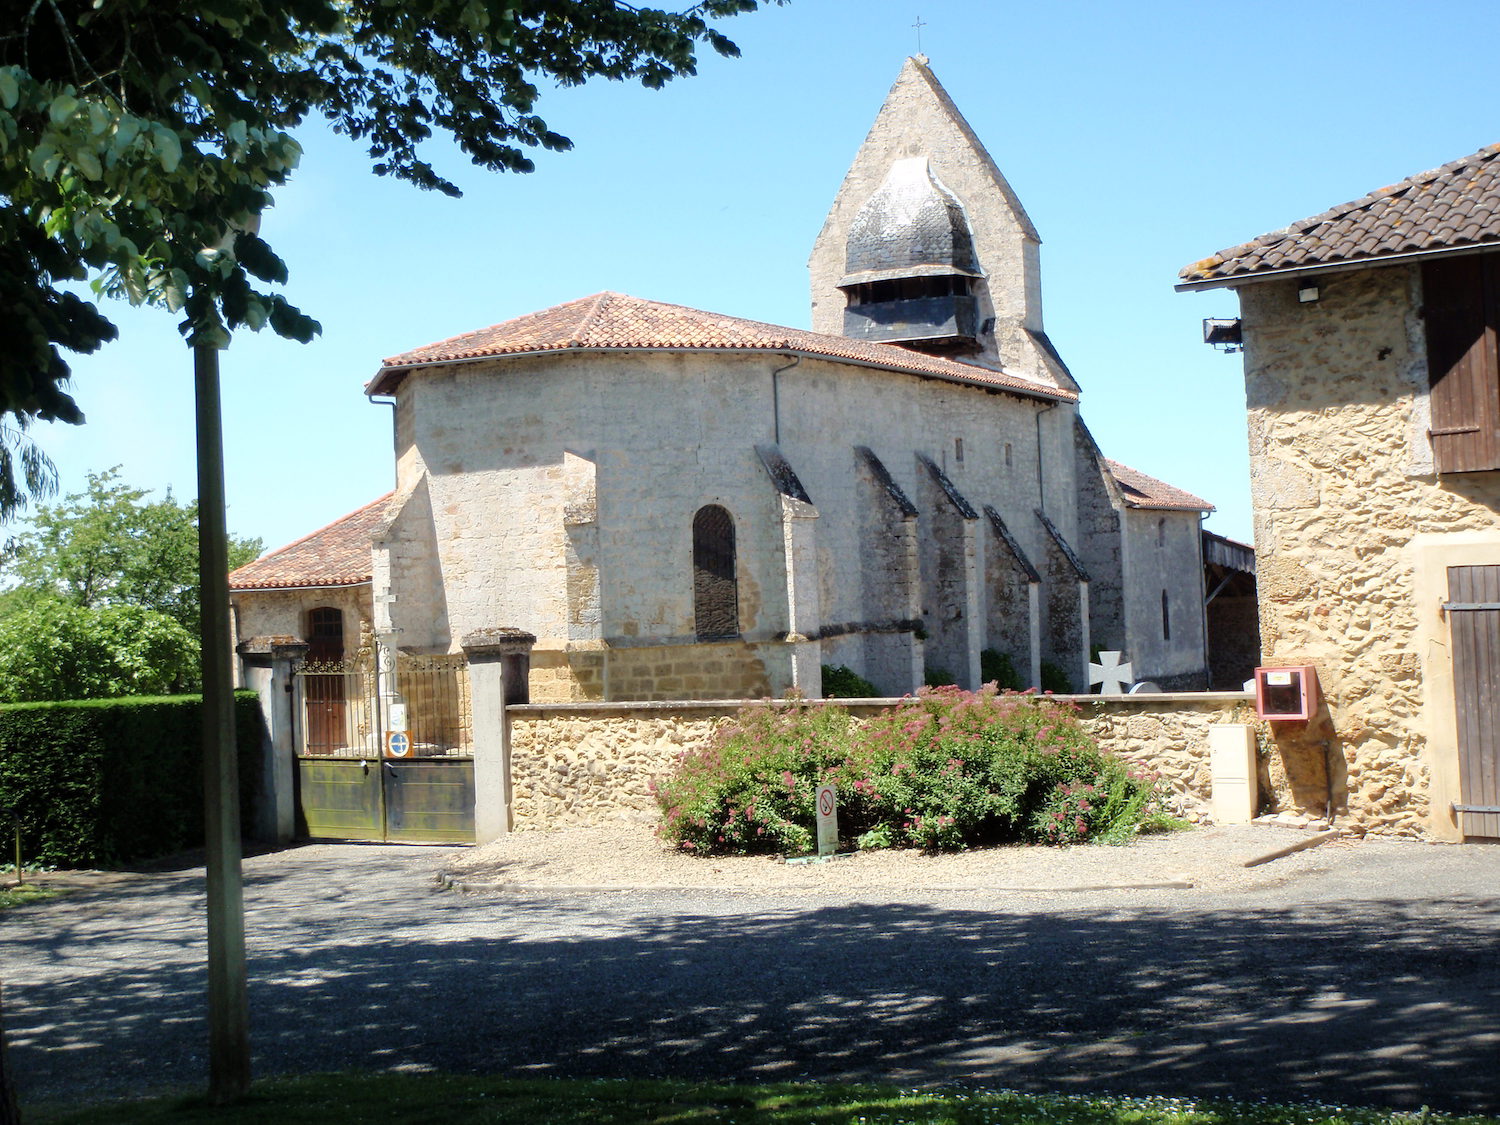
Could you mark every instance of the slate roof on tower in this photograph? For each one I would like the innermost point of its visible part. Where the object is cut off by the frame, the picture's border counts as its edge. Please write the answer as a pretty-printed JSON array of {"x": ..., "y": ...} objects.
[
  {"x": 1452, "y": 208},
  {"x": 336, "y": 555},
  {"x": 616, "y": 322}
]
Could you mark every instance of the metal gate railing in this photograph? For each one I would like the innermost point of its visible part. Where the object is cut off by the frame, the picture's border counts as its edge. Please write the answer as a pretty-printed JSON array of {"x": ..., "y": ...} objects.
[
  {"x": 344, "y": 714},
  {"x": 438, "y": 717}
]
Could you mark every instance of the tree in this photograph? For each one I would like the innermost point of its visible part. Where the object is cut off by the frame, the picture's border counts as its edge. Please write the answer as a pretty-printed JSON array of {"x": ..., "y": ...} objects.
[
  {"x": 53, "y": 649},
  {"x": 112, "y": 546},
  {"x": 38, "y": 475},
  {"x": 140, "y": 141},
  {"x": 103, "y": 596}
]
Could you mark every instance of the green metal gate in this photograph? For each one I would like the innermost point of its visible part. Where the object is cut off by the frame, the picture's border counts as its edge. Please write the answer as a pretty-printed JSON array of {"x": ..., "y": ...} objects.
[{"x": 350, "y": 788}]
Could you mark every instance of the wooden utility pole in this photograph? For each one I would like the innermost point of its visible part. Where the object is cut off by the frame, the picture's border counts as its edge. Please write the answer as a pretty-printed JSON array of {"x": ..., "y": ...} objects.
[{"x": 228, "y": 1011}]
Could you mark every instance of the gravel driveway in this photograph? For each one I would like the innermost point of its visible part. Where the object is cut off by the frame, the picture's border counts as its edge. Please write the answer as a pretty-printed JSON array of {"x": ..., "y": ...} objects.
[{"x": 1355, "y": 973}]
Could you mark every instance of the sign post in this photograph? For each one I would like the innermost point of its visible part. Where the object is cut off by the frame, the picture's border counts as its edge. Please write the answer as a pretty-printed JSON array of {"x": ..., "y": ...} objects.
[{"x": 828, "y": 820}]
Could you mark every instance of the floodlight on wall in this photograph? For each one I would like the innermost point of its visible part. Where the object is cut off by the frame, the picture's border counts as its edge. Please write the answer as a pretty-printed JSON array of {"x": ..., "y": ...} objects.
[
  {"x": 1308, "y": 291},
  {"x": 1223, "y": 333}
]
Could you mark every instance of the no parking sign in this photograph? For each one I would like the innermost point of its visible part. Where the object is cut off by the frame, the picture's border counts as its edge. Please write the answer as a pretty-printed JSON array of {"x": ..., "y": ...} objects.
[{"x": 397, "y": 744}]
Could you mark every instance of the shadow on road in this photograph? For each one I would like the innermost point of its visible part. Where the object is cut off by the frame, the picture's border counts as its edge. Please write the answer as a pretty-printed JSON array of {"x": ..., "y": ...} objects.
[{"x": 1375, "y": 1003}]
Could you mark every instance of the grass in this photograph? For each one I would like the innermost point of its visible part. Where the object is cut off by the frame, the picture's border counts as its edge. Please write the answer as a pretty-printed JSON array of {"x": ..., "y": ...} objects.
[
  {"x": 463, "y": 1100},
  {"x": 25, "y": 895}
]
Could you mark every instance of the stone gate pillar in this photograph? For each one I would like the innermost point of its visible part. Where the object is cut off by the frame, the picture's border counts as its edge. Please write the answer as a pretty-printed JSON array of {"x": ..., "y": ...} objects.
[
  {"x": 499, "y": 668},
  {"x": 268, "y": 666}
]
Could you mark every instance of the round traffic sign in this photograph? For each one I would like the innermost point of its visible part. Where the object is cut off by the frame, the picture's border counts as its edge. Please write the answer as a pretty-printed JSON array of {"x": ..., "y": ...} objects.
[{"x": 397, "y": 743}]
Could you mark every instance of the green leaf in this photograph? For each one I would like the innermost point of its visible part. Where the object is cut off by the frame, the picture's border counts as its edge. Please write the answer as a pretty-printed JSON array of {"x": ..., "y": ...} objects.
[
  {"x": 168, "y": 148},
  {"x": 88, "y": 163},
  {"x": 44, "y": 161},
  {"x": 10, "y": 87},
  {"x": 63, "y": 107},
  {"x": 126, "y": 131}
]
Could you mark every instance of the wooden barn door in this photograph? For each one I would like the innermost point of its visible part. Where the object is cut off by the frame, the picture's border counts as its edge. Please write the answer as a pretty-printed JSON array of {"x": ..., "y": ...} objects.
[{"x": 1474, "y": 619}]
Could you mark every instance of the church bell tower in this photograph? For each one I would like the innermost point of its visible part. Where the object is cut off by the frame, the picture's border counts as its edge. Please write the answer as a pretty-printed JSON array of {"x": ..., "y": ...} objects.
[{"x": 926, "y": 245}]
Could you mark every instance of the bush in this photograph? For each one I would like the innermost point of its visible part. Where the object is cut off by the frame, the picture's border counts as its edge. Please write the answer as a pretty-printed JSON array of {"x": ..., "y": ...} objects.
[
  {"x": 935, "y": 676},
  {"x": 840, "y": 682},
  {"x": 105, "y": 781},
  {"x": 950, "y": 769},
  {"x": 1054, "y": 679},
  {"x": 996, "y": 668}
]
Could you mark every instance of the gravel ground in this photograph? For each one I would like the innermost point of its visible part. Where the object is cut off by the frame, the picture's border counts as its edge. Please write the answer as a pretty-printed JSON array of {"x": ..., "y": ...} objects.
[{"x": 630, "y": 856}]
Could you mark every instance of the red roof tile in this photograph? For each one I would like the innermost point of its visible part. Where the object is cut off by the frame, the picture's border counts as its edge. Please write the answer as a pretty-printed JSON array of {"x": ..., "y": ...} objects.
[
  {"x": 1141, "y": 491},
  {"x": 1449, "y": 208},
  {"x": 337, "y": 555},
  {"x": 616, "y": 322}
]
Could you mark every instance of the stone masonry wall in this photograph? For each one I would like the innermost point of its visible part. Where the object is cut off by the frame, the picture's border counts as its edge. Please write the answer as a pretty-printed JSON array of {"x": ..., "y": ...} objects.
[
  {"x": 594, "y": 763},
  {"x": 730, "y": 669},
  {"x": 1342, "y": 484}
]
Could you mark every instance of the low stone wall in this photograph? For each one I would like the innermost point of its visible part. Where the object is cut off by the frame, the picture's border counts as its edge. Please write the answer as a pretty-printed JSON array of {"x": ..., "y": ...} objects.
[{"x": 593, "y": 763}]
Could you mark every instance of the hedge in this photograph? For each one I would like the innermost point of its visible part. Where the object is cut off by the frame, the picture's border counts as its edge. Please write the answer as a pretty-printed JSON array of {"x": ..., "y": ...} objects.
[{"x": 104, "y": 781}]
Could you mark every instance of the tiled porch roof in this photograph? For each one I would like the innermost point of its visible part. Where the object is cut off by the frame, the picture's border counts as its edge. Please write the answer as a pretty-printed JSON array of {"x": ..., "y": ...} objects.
[{"x": 336, "y": 555}]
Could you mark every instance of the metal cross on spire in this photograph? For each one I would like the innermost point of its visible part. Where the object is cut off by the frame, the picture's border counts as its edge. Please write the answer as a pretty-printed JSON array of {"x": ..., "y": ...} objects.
[{"x": 919, "y": 25}]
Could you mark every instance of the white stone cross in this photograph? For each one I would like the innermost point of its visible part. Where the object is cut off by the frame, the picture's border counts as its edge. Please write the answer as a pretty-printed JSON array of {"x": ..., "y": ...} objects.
[{"x": 1111, "y": 674}]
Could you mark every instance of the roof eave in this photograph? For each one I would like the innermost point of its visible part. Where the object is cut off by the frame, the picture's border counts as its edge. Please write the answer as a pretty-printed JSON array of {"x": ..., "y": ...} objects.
[
  {"x": 1147, "y": 506},
  {"x": 378, "y": 385},
  {"x": 1334, "y": 267},
  {"x": 280, "y": 588}
]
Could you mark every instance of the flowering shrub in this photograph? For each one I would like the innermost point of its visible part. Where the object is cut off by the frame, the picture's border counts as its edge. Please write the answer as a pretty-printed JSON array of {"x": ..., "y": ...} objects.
[{"x": 948, "y": 769}]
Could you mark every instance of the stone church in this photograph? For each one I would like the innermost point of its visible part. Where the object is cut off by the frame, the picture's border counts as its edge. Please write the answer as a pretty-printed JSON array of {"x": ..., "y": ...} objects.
[{"x": 679, "y": 504}]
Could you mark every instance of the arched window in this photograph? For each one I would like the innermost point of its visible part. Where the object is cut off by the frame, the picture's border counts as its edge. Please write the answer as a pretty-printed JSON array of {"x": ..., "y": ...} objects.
[{"x": 716, "y": 608}]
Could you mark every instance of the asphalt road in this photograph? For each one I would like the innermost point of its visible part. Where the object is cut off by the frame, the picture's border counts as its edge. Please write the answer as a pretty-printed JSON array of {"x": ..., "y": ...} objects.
[{"x": 1369, "y": 981}]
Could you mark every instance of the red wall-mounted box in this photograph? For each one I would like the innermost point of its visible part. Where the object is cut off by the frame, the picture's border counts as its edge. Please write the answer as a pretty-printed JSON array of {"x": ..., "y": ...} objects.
[{"x": 1286, "y": 694}]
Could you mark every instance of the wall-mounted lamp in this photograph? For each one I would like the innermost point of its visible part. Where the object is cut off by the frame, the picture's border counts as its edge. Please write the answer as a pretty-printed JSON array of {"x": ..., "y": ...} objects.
[
  {"x": 1223, "y": 333},
  {"x": 1307, "y": 291}
]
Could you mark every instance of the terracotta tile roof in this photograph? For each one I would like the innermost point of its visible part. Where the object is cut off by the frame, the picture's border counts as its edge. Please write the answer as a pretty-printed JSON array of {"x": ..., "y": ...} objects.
[
  {"x": 1448, "y": 208},
  {"x": 614, "y": 321},
  {"x": 1141, "y": 491},
  {"x": 336, "y": 555}
]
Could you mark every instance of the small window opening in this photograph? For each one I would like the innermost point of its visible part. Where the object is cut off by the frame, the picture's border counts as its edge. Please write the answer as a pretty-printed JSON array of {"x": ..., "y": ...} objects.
[
  {"x": 958, "y": 449},
  {"x": 1161, "y": 533},
  {"x": 1007, "y": 455},
  {"x": 716, "y": 612},
  {"x": 1166, "y": 618},
  {"x": 325, "y": 635}
]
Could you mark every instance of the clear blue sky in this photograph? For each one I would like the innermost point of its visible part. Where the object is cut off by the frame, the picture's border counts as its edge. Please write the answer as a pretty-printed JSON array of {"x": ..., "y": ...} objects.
[{"x": 1139, "y": 137}]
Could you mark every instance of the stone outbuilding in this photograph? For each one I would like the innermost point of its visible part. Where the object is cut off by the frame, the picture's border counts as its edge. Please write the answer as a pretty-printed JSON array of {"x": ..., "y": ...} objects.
[
  {"x": 682, "y": 504},
  {"x": 1373, "y": 388}
]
